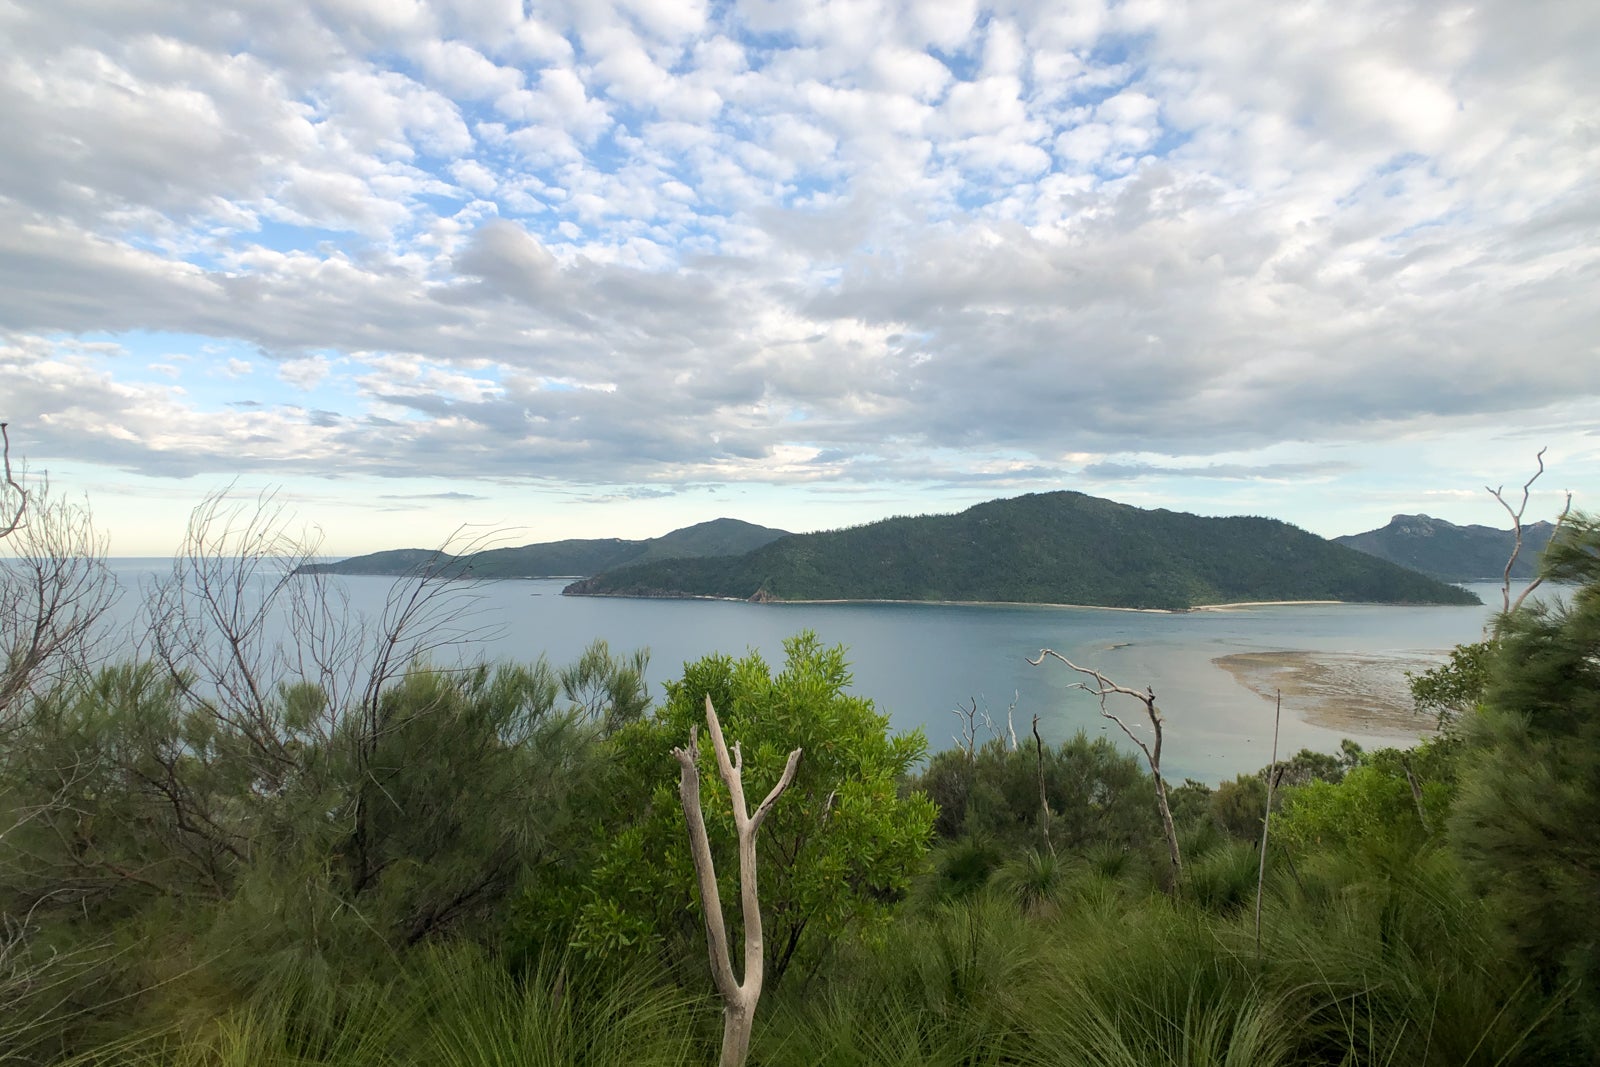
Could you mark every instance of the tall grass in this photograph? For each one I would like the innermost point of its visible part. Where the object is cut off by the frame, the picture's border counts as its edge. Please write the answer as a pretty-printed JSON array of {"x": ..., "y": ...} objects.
[
  {"x": 1368, "y": 959},
  {"x": 449, "y": 1007}
]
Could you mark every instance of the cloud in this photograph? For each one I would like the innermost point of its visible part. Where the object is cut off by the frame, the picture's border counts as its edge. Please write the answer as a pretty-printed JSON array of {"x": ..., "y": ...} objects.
[
  {"x": 1226, "y": 471},
  {"x": 431, "y": 496},
  {"x": 795, "y": 242}
]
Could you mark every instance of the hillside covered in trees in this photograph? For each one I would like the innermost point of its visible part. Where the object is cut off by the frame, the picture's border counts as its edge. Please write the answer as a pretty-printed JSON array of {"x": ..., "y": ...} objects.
[
  {"x": 1450, "y": 552},
  {"x": 555, "y": 559},
  {"x": 1051, "y": 548}
]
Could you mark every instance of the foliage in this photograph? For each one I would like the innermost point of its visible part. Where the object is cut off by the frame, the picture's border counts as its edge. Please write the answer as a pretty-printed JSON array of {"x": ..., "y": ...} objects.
[
  {"x": 1524, "y": 824},
  {"x": 1237, "y": 806},
  {"x": 1456, "y": 687},
  {"x": 1096, "y": 792},
  {"x": 1373, "y": 801},
  {"x": 841, "y": 846},
  {"x": 1064, "y": 548}
]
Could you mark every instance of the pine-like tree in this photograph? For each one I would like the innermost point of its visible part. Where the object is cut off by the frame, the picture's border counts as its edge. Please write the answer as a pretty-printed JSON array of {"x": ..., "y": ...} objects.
[{"x": 1525, "y": 821}]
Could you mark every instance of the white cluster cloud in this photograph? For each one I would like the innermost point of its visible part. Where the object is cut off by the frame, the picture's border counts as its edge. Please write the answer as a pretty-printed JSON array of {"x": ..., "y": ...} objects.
[{"x": 624, "y": 242}]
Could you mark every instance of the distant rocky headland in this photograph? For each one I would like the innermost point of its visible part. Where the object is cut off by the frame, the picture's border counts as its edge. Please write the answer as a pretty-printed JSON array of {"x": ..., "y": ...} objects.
[{"x": 1453, "y": 553}]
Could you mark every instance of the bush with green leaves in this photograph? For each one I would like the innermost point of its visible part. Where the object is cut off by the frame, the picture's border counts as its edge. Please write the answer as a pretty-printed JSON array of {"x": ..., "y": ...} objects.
[
  {"x": 1097, "y": 794},
  {"x": 841, "y": 845},
  {"x": 1374, "y": 801}
]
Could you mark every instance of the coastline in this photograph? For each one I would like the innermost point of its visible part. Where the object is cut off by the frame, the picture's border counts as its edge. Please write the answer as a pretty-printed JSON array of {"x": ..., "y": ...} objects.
[
  {"x": 1231, "y": 606},
  {"x": 1264, "y": 604},
  {"x": 1356, "y": 692}
]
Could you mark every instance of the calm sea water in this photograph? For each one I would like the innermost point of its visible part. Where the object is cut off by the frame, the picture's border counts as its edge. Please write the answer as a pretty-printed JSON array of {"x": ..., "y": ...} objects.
[{"x": 918, "y": 661}]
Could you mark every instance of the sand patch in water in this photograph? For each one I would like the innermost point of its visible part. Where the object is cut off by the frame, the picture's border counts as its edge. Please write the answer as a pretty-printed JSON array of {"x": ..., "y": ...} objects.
[{"x": 1356, "y": 692}]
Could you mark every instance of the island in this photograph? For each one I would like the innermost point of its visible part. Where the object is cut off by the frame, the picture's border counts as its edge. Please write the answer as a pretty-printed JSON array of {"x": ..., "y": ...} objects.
[
  {"x": 559, "y": 559},
  {"x": 1042, "y": 548}
]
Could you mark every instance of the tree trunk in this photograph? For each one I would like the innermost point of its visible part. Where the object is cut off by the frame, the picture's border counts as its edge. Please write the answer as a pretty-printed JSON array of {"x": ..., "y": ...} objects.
[
  {"x": 739, "y": 998},
  {"x": 736, "y": 1020}
]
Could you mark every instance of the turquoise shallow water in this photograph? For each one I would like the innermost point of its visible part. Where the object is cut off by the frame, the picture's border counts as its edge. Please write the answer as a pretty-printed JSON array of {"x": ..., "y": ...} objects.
[{"x": 916, "y": 661}]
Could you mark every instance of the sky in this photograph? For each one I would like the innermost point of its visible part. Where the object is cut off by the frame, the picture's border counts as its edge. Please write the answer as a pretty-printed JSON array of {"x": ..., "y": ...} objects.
[{"x": 611, "y": 267}]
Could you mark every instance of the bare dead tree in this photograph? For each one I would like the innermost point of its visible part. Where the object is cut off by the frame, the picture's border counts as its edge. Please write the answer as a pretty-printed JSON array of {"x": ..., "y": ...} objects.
[
  {"x": 54, "y": 585},
  {"x": 967, "y": 727},
  {"x": 1266, "y": 817},
  {"x": 1103, "y": 688},
  {"x": 1516, "y": 529},
  {"x": 1011, "y": 713},
  {"x": 13, "y": 497},
  {"x": 245, "y": 616},
  {"x": 739, "y": 999},
  {"x": 55, "y": 590},
  {"x": 1044, "y": 800}
]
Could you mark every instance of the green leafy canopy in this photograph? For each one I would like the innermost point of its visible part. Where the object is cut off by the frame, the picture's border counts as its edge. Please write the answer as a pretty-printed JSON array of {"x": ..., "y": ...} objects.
[{"x": 840, "y": 845}]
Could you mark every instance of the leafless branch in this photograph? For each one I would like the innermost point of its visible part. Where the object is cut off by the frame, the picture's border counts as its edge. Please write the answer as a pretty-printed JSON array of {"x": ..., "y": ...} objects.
[
  {"x": 54, "y": 591},
  {"x": 1011, "y": 713},
  {"x": 1104, "y": 688},
  {"x": 1507, "y": 605},
  {"x": 15, "y": 497},
  {"x": 1044, "y": 800},
  {"x": 1266, "y": 816}
]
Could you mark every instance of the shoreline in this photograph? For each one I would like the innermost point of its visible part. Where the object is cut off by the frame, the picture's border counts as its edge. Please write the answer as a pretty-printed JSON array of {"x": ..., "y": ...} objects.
[
  {"x": 1358, "y": 692},
  {"x": 1230, "y": 606}
]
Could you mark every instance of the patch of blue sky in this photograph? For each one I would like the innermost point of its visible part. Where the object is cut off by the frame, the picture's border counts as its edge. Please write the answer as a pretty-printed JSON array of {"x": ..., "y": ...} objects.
[
  {"x": 1114, "y": 49},
  {"x": 1401, "y": 161},
  {"x": 166, "y": 346},
  {"x": 292, "y": 237},
  {"x": 1387, "y": 178},
  {"x": 1456, "y": 217}
]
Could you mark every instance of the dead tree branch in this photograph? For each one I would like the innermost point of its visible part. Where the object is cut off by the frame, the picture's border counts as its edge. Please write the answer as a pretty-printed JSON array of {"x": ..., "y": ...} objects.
[
  {"x": 1103, "y": 688},
  {"x": 1044, "y": 800},
  {"x": 739, "y": 999},
  {"x": 54, "y": 590},
  {"x": 15, "y": 497},
  {"x": 1516, "y": 529},
  {"x": 1266, "y": 818}
]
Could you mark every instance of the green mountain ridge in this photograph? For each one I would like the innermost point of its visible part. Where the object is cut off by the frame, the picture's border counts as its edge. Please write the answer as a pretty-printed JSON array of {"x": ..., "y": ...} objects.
[
  {"x": 1453, "y": 553},
  {"x": 1053, "y": 548},
  {"x": 555, "y": 559}
]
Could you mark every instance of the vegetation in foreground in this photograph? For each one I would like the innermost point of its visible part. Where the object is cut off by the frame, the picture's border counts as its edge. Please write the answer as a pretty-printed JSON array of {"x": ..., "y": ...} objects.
[{"x": 351, "y": 851}]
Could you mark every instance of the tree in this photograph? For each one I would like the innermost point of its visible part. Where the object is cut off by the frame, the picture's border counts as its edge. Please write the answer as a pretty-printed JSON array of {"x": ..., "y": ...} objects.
[
  {"x": 739, "y": 997},
  {"x": 55, "y": 590},
  {"x": 842, "y": 846},
  {"x": 310, "y": 774},
  {"x": 1524, "y": 820},
  {"x": 54, "y": 585},
  {"x": 1454, "y": 689},
  {"x": 1095, "y": 795},
  {"x": 1104, "y": 688}
]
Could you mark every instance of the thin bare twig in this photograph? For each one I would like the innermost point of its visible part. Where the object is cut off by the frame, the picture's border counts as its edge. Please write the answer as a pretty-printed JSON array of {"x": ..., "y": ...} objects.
[
  {"x": 1516, "y": 529},
  {"x": 1266, "y": 819},
  {"x": 1044, "y": 801},
  {"x": 1104, "y": 687},
  {"x": 12, "y": 522}
]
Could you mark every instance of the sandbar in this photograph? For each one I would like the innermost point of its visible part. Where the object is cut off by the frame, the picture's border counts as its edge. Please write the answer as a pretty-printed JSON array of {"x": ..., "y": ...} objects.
[{"x": 1356, "y": 692}]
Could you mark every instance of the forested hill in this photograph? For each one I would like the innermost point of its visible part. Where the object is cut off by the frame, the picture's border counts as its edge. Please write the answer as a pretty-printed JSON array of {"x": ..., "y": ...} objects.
[
  {"x": 719, "y": 537},
  {"x": 1450, "y": 552},
  {"x": 1063, "y": 548}
]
